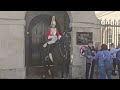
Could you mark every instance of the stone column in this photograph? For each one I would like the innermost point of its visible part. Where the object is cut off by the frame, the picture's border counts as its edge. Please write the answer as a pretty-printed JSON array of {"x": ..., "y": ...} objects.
[
  {"x": 12, "y": 51},
  {"x": 78, "y": 64}
]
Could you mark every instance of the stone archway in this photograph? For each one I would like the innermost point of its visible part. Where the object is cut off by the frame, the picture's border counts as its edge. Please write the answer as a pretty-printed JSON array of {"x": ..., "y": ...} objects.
[
  {"x": 34, "y": 17},
  {"x": 14, "y": 23}
]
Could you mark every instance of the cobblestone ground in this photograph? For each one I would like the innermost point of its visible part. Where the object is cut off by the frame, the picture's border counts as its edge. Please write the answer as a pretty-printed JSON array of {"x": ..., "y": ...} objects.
[
  {"x": 39, "y": 77},
  {"x": 116, "y": 77},
  {"x": 113, "y": 77}
]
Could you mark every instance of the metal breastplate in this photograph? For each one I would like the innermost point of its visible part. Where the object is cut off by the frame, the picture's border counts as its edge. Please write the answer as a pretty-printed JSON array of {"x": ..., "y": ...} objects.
[{"x": 53, "y": 31}]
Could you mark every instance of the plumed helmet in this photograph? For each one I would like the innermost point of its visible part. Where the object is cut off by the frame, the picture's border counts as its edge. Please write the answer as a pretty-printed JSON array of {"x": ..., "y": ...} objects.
[{"x": 53, "y": 21}]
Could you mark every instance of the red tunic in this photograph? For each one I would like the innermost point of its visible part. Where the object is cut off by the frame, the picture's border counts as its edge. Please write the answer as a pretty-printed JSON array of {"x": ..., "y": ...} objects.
[{"x": 48, "y": 32}]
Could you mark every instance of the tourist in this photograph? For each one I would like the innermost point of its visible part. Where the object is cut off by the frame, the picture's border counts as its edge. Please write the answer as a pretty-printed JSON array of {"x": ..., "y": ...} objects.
[
  {"x": 97, "y": 48},
  {"x": 118, "y": 59},
  {"x": 89, "y": 53},
  {"x": 113, "y": 51},
  {"x": 104, "y": 62}
]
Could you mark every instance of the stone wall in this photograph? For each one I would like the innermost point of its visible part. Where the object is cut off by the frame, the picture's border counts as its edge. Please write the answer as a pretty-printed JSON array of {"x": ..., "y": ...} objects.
[
  {"x": 79, "y": 63},
  {"x": 12, "y": 42},
  {"x": 12, "y": 51},
  {"x": 84, "y": 22}
]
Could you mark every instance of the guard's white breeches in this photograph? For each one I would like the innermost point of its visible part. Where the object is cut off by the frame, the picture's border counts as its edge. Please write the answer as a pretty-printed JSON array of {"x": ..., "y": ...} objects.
[{"x": 50, "y": 55}]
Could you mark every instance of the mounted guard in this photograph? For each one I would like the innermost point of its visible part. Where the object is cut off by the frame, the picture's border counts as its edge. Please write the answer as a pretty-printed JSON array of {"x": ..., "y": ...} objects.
[
  {"x": 52, "y": 33},
  {"x": 57, "y": 52}
]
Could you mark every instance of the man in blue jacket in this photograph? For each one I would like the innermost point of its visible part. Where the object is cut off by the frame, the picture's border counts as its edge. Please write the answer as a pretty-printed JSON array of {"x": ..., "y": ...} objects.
[
  {"x": 118, "y": 59},
  {"x": 113, "y": 51},
  {"x": 105, "y": 69}
]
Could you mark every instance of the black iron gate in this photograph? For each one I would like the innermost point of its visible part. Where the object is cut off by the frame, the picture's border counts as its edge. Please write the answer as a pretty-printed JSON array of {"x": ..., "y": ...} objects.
[{"x": 110, "y": 32}]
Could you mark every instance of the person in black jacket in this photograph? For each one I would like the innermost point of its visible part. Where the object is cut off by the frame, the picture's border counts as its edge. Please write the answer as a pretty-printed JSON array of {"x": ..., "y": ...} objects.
[
  {"x": 89, "y": 53},
  {"x": 93, "y": 62}
]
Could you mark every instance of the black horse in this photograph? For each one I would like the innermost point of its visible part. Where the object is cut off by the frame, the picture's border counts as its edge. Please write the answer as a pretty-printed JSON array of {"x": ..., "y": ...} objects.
[{"x": 59, "y": 67}]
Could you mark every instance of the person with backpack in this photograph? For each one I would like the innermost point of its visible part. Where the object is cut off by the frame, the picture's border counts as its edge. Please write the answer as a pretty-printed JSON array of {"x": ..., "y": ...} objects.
[{"x": 104, "y": 59}]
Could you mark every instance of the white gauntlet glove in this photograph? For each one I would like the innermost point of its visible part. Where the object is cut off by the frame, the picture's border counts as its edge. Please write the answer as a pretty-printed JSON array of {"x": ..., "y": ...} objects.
[{"x": 45, "y": 45}]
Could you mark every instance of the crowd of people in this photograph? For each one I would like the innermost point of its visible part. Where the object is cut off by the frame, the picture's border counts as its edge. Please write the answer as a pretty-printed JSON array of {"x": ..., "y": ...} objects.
[{"x": 101, "y": 61}]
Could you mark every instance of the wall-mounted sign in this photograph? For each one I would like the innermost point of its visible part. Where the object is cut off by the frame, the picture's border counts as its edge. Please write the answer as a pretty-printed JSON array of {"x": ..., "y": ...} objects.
[
  {"x": 82, "y": 50},
  {"x": 84, "y": 37}
]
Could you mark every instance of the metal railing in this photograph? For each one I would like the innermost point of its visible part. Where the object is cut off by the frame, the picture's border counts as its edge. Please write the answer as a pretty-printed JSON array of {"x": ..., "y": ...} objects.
[{"x": 110, "y": 32}]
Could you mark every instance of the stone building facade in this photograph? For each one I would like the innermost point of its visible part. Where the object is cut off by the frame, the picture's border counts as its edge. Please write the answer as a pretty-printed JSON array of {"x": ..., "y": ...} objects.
[
  {"x": 13, "y": 39},
  {"x": 113, "y": 15}
]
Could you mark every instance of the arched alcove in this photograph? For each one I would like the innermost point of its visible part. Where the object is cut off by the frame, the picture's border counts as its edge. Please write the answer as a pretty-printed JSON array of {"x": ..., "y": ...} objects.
[{"x": 37, "y": 23}]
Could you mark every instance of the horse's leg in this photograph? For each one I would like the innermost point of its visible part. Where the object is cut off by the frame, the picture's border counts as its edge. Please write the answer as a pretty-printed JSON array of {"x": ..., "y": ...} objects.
[
  {"x": 50, "y": 63},
  {"x": 54, "y": 69},
  {"x": 52, "y": 72},
  {"x": 67, "y": 63},
  {"x": 65, "y": 68},
  {"x": 43, "y": 70},
  {"x": 60, "y": 66},
  {"x": 62, "y": 69},
  {"x": 49, "y": 68}
]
